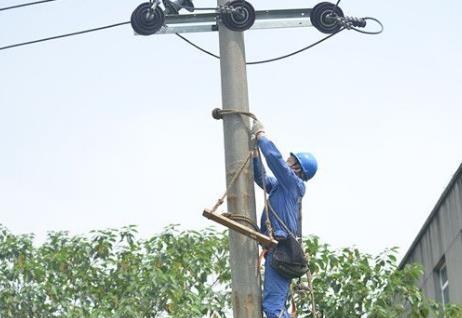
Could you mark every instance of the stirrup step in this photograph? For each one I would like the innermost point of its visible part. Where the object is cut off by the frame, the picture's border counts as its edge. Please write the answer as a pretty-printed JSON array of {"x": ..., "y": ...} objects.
[{"x": 264, "y": 240}]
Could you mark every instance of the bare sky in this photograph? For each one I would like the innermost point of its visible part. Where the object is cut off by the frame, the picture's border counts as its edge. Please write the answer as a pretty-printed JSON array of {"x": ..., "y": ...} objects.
[{"x": 110, "y": 129}]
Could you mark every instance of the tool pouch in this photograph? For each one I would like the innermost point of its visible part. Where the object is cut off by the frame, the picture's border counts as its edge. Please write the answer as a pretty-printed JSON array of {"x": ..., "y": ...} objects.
[{"x": 289, "y": 259}]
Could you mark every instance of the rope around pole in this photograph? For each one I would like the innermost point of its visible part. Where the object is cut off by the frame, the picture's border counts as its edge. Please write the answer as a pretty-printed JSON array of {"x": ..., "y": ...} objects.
[
  {"x": 243, "y": 218},
  {"x": 218, "y": 113}
]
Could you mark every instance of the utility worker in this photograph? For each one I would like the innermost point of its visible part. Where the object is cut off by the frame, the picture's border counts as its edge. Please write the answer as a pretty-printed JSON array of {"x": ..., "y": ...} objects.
[{"x": 286, "y": 189}]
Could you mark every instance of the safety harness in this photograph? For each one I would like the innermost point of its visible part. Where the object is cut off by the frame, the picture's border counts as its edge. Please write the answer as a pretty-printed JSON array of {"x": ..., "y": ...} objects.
[{"x": 267, "y": 241}]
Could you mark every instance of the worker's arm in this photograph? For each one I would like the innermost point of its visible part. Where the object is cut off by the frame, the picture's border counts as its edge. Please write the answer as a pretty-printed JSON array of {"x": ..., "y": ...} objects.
[
  {"x": 283, "y": 173},
  {"x": 259, "y": 174}
]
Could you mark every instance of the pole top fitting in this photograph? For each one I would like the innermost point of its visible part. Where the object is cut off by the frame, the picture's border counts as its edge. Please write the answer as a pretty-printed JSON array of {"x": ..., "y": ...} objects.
[{"x": 217, "y": 113}]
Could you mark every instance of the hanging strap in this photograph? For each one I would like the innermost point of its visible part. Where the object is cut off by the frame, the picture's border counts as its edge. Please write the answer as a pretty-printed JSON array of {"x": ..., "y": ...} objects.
[
  {"x": 309, "y": 277},
  {"x": 229, "y": 219},
  {"x": 218, "y": 113},
  {"x": 300, "y": 242},
  {"x": 221, "y": 200},
  {"x": 269, "y": 226}
]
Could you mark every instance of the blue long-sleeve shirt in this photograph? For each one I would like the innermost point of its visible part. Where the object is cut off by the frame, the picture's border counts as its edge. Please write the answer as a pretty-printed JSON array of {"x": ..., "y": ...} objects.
[{"x": 285, "y": 190}]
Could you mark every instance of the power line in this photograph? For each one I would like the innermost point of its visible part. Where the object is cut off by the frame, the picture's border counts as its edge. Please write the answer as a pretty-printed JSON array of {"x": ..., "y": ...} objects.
[
  {"x": 64, "y": 35},
  {"x": 197, "y": 46},
  {"x": 262, "y": 61},
  {"x": 177, "y": 34},
  {"x": 25, "y": 5},
  {"x": 295, "y": 52}
]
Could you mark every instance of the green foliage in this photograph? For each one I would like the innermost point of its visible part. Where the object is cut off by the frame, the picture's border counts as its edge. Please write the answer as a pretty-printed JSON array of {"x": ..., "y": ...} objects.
[
  {"x": 111, "y": 273},
  {"x": 348, "y": 283}
]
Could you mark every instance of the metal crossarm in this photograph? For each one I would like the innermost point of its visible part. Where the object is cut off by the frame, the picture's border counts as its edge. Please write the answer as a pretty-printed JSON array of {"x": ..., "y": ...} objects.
[
  {"x": 265, "y": 19},
  {"x": 239, "y": 15}
]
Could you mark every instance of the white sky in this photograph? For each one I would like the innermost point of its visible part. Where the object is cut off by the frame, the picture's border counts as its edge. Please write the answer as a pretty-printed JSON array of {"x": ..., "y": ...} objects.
[{"x": 110, "y": 129}]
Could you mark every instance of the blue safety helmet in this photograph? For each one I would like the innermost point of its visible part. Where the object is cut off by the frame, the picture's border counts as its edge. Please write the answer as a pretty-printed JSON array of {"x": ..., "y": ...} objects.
[{"x": 308, "y": 164}]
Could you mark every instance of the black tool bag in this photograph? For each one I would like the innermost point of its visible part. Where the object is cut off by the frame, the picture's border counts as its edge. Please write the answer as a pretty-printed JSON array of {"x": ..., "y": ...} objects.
[{"x": 289, "y": 259}]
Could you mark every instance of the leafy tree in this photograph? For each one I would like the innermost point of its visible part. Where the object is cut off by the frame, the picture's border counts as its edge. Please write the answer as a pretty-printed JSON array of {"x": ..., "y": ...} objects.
[
  {"x": 348, "y": 283},
  {"x": 111, "y": 273}
]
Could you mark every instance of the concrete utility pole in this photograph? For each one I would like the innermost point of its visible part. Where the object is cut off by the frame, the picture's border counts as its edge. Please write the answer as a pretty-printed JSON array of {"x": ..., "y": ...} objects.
[
  {"x": 246, "y": 291},
  {"x": 149, "y": 18}
]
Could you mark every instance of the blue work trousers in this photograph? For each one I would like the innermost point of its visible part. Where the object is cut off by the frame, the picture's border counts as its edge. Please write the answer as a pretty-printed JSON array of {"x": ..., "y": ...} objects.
[{"x": 275, "y": 291}]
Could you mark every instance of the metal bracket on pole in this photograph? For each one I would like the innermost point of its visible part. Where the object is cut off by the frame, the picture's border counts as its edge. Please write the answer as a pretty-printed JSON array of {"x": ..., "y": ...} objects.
[
  {"x": 265, "y": 19},
  {"x": 239, "y": 15}
]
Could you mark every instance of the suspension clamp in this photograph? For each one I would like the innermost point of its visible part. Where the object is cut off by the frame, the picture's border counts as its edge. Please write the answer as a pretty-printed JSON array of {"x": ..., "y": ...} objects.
[{"x": 350, "y": 22}]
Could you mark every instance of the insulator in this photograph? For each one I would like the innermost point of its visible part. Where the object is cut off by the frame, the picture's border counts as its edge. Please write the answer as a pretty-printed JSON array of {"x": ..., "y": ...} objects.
[
  {"x": 238, "y": 15},
  {"x": 147, "y": 20},
  {"x": 325, "y": 17}
]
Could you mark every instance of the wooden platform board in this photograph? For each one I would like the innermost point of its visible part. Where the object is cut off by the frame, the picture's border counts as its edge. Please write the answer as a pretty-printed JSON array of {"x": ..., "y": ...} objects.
[{"x": 264, "y": 240}]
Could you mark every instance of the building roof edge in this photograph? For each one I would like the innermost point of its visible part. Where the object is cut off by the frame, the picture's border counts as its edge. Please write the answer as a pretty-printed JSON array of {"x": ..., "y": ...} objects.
[{"x": 432, "y": 215}]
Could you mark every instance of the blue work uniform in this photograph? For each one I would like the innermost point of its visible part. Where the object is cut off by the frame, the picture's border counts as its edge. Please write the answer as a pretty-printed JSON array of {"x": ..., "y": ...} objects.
[{"x": 285, "y": 190}]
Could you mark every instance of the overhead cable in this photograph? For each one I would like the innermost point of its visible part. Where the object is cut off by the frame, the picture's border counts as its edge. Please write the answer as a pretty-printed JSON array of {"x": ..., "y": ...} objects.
[
  {"x": 25, "y": 5},
  {"x": 180, "y": 36},
  {"x": 295, "y": 52},
  {"x": 262, "y": 61},
  {"x": 65, "y": 35}
]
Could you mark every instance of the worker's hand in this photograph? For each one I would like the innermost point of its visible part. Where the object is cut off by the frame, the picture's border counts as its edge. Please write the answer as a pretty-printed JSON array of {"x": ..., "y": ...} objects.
[{"x": 257, "y": 129}]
